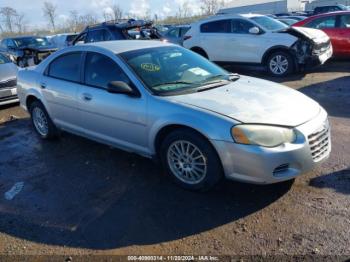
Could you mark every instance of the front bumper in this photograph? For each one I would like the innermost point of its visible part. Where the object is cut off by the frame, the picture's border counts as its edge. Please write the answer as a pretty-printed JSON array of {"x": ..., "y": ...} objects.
[
  {"x": 321, "y": 58},
  {"x": 8, "y": 92},
  {"x": 261, "y": 165}
]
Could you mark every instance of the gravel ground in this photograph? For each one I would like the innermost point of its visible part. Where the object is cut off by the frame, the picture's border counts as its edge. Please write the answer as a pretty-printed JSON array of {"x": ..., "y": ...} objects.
[{"x": 75, "y": 196}]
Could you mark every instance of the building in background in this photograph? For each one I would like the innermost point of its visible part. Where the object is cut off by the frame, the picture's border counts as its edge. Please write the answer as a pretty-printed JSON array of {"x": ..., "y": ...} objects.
[{"x": 275, "y": 6}]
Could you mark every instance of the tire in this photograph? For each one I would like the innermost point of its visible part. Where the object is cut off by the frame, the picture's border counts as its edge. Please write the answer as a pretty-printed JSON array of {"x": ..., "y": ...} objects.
[
  {"x": 201, "y": 171},
  {"x": 200, "y": 52},
  {"x": 280, "y": 64},
  {"x": 41, "y": 121}
]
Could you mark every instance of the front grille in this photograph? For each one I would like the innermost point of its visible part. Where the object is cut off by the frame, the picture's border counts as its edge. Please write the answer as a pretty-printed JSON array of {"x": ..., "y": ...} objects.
[
  {"x": 319, "y": 142},
  {"x": 8, "y": 83}
]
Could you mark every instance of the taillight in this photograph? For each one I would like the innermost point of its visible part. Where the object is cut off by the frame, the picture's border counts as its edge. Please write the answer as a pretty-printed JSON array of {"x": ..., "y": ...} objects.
[{"x": 186, "y": 37}]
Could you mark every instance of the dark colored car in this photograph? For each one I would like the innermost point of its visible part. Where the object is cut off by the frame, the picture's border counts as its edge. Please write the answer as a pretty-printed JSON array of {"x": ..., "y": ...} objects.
[
  {"x": 176, "y": 34},
  {"x": 27, "y": 50},
  {"x": 108, "y": 31},
  {"x": 329, "y": 8},
  {"x": 336, "y": 25}
]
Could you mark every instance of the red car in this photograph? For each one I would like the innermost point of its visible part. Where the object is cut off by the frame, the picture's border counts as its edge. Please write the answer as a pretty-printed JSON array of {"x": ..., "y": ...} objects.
[{"x": 336, "y": 25}]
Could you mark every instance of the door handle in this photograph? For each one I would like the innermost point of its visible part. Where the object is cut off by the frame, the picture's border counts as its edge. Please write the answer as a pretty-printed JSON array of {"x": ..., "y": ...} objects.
[
  {"x": 43, "y": 85},
  {"x": 87, "y": 97}
]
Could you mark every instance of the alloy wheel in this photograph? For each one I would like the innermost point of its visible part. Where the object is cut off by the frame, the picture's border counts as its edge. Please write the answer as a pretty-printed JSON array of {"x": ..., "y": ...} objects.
[{"x": 187, "y": 162}]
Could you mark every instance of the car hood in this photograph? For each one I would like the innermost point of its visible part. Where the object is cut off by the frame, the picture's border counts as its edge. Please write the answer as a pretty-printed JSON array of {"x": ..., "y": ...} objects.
[
  {"x": 315, "y": 35},
  {"x": 8, "y": 71},
  {"x": 252, "y": 100}
]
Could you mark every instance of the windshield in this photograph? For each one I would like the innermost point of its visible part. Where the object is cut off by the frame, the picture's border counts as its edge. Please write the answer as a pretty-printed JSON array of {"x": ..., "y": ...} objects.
[
  {"x": 4, "y": 59},
  {"x": 31, "y": 42},
  {"x": 269, "y": 23},
  {"x": 173, "y": 69}
]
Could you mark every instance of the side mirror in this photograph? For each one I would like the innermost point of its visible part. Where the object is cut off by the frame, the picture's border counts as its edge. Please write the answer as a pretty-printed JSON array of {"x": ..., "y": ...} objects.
[
  {"x": 254, "y": 30},
  {"x": 120, "y": 87}
]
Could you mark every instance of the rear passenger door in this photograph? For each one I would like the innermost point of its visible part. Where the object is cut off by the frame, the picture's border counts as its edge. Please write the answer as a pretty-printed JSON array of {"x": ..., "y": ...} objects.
[
  {"x": 116, "y": 119},
  {"x": 213, "y": 38},
  {"x": 59, "y": 85},
  {"x": 243, "y": 46},
  {"x": 344, "y": 34}
]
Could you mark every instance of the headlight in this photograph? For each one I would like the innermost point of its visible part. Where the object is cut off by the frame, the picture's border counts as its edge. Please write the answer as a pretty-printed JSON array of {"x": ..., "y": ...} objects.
[{"x": 268, "y": 136}]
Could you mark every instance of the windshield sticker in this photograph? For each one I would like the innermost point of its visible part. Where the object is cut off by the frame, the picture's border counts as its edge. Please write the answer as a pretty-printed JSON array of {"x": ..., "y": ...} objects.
[
  {"x": 199, "y": 71},
  {"x": 150, "y": 67}
]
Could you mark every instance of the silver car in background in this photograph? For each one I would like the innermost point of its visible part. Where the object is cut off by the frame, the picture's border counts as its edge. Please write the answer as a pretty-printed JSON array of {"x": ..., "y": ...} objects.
[
  {"x": 8, "y": 81},
  {"x": 165, "y": 102}
]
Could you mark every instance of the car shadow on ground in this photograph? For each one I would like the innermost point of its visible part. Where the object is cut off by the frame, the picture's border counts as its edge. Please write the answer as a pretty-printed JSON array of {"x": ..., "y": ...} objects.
[
  {"x": 333, "y": 95},
  {"x": 79, "y": 193},
  {"x": 339, "y": 181},
  {"x": 333, "y": 65}
]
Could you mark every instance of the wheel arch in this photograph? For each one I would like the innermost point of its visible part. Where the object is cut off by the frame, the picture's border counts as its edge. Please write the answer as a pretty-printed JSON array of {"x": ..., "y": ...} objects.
[
  {"x": 200, "y": 50},
  {"x": 167, "y": 129},
  {"x": 273, "y": 49}
]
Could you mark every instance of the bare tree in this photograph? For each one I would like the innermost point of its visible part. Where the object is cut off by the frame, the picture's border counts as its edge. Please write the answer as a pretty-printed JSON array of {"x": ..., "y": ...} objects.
[
  {"x": 9, "y": 15},
  {"x": 210, "y": 7},
  {"x": 117, "y": 12},
  {"x": 20, "y": 23},
  {"x": 107, "y": 16},
  {"x": 49, "y": 10},
  {"x": 73, "y": 20},
  {"x": 184, "y": 11}
]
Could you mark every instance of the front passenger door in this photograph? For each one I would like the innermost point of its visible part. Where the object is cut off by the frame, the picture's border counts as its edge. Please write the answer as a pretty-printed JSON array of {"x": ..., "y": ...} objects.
[{"x": 116, "y": 119}]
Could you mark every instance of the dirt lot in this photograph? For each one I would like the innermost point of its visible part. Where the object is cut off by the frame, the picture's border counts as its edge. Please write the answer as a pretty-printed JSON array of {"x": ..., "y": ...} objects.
[{"x": 79, "y": 197}]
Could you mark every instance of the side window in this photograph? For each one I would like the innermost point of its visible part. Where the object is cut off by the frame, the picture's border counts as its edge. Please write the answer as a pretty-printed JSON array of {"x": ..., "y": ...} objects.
[
  {"x": 174, "y": 32},
  {"x": 322, "y": 22},
  {"x": 345, "y": 21},
  {"x": 11, "y": 43},
  {"x": 66, "y": 67},
  {"x": 184, "y": 31},
  {"x": 100, "y": 70},
  {"x": 241, "y": 26},
  {"x": 95, "y": 36},
  {"x": 4, "y": 59},
  {"x": 107, "y": 36},
  {"x": 220, "y": 26}
]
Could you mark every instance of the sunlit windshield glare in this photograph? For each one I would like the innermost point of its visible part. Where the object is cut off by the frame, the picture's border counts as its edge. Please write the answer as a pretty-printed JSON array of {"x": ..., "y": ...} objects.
[
  {"x": 170, "y": 69},
  {"x": 31, "y": 42},
  {"x": 269, "y": 23}
]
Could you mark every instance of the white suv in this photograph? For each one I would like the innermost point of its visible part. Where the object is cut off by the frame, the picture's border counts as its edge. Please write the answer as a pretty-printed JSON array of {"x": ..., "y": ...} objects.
[{"x": 258, "y": 39}]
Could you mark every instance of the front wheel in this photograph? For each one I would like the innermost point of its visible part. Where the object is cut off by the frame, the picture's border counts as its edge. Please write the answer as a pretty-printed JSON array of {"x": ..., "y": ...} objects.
[
  {"x": 190, "y": 160},
  {"x": 280, "y": 64}
]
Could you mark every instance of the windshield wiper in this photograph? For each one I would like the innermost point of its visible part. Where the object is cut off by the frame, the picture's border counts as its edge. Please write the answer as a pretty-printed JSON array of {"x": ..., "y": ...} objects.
[
  {"x": 174, "y": 83},
  {"x": 231, "y": 77}
]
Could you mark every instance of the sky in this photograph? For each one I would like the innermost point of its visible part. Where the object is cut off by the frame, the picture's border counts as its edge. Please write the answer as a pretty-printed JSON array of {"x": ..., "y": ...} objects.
[{"x": 32, "y": 9}]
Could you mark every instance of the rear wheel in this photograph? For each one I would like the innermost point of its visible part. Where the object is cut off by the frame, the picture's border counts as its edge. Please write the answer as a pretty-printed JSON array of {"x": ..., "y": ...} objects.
[
  {"x": 200, "y": 51},
  {"x": 280, "y": 63},
  {"x": 190, "y": 160},
  {"x": 41, "y": 121}
]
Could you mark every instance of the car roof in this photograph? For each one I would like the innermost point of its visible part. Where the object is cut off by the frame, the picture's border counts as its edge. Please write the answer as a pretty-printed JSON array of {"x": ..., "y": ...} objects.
[
  {"x": 229, "y": 16},
  {"x": 121, "y": 46},
  {"x": 329, "y": 14}
]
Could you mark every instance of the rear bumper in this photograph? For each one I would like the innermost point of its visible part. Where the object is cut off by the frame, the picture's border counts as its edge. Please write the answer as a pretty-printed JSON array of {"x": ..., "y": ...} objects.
[{"x": 261, "y": 165}]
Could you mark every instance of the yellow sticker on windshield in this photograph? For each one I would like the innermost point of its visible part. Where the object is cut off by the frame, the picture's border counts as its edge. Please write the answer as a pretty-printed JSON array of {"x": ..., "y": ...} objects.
[{"x": 150, "y": 67}]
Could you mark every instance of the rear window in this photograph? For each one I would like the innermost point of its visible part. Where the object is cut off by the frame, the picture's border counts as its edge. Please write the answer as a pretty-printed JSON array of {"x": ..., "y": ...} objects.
[
  {"x": 322, "y": 22},
  {"x": 66, "y": 67},
  {"x": 219, "y": 26}
]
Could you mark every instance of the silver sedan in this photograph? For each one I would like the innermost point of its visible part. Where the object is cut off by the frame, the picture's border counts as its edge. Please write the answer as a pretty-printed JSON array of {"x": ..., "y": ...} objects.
[
  {"x": 165, "y": 102},
  {"x": 8, "y": 81}
]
